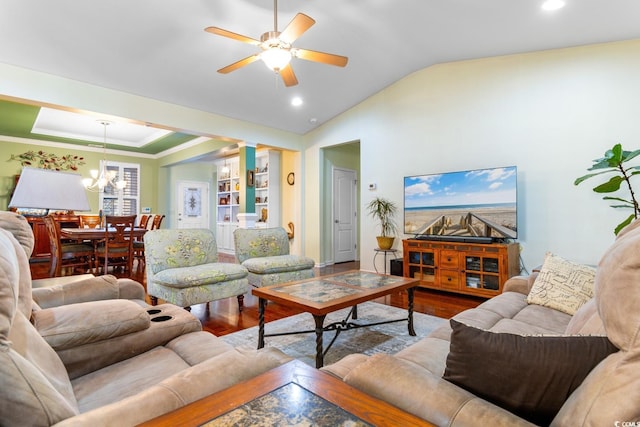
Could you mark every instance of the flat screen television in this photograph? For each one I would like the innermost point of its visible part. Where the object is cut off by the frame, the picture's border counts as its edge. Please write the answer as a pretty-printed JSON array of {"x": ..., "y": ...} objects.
[{"x": 466, "y": 205}]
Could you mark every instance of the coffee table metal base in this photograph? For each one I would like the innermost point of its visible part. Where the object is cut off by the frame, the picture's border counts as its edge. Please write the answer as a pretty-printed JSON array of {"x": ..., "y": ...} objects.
[{"x": 338, "y": 327}]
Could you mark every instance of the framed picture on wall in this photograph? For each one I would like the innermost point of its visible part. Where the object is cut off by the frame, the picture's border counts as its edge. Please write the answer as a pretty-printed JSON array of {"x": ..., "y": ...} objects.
[{"x": 250, "y": 178}]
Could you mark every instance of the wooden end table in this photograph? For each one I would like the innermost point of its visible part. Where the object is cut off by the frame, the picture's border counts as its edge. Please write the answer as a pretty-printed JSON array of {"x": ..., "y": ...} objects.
[
  {"x": 293, "y": 389},
  {"x": 322, "y": 295}
]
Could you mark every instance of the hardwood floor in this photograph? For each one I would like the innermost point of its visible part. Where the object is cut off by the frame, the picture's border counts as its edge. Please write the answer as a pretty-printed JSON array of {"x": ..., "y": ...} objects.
[{"x": 222, "y": 317}]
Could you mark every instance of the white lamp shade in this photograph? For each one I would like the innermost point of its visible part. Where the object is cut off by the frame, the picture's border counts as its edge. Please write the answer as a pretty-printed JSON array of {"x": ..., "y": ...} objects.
[
  {"x": 48, "y": 189},
  {"x": 275, "y": 58}
]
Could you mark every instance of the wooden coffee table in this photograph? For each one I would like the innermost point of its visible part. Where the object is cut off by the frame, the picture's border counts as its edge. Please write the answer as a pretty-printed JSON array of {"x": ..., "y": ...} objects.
[
  {"x": 322, "y": 295},
  {"x": 291, "y": 392}
]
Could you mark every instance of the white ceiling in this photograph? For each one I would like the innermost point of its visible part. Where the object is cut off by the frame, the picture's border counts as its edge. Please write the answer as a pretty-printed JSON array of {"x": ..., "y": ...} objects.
[{"x": 159, "y": 49}]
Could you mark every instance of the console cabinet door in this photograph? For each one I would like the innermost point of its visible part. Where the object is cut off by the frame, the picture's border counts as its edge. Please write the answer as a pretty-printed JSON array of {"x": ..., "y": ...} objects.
[{"x": 421, "y": 265}]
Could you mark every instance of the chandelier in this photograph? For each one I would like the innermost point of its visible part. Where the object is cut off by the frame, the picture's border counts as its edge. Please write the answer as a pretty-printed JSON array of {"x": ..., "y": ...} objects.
[{"x": 103, "y": 178}]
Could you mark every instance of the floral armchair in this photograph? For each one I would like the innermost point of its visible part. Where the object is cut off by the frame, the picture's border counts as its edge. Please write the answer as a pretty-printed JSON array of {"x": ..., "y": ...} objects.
[
  {"x": 264, "y": 252},
  {"x": 182, "y": 268}
]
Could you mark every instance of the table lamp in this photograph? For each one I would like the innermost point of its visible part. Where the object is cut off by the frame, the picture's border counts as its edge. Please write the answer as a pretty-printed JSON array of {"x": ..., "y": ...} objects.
[{"x": 49, "y": 189}]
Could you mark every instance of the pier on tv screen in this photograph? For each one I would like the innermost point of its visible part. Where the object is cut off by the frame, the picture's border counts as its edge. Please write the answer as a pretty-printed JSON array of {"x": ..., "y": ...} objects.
[{"x": 477, "y": 203}]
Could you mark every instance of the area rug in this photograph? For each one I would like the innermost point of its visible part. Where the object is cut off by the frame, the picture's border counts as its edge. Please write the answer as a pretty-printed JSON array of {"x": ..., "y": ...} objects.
[{"x": 388, "y": 338}]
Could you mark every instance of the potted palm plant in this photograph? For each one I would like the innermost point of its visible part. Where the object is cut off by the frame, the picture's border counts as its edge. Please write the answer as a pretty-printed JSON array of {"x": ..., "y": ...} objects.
[{"x": 383, "y": 211}]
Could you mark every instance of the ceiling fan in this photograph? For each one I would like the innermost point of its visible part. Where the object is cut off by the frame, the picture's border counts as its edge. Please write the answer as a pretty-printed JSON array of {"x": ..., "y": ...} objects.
[{"x": 277, "y": 51}]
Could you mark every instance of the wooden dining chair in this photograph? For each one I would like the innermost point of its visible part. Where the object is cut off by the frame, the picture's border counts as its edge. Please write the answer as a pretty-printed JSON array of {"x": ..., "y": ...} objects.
[
  {"x": 138, "y": 244},
  {"x": 66, "y": 255},
  {"x": 89, "y": 221},
  {"x": 157, "y": 220},
  {"x": 117, "y": 248},
  {"x": 144, "y": 220}
]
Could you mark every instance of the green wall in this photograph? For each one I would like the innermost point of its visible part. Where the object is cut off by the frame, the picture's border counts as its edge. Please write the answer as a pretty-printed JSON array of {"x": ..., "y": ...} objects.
[{"x": 10, "y": 168}]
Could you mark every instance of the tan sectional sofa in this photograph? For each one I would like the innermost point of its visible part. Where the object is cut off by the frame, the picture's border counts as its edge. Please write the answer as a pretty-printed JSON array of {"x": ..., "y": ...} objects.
[
  {"x": 602, "y": 338},
  {"x": 93, "y": 353}
]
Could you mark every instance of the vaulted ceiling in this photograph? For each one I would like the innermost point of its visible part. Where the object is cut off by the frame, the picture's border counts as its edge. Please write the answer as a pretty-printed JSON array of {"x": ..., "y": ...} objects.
[{"x": 159, "y": 49}]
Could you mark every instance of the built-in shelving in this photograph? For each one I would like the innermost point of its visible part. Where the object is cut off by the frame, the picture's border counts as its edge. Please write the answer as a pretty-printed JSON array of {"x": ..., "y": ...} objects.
[{"x": 229, "y": 194}]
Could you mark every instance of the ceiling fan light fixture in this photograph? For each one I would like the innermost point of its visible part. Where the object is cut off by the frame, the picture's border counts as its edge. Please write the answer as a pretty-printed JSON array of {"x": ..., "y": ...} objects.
[
  {"x": 277, "y": 50},
  {"x": 276, "y": 58}
]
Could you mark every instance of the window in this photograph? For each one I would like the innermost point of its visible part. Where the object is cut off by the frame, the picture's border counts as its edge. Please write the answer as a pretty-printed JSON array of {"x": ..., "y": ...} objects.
[{"x": 122, "y": 202}]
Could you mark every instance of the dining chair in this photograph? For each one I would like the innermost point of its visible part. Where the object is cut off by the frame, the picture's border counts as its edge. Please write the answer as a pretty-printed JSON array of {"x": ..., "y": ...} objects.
[
  {"x": 157, "y": 220},
  {"x": 116, "y": 250},
  {"x": 66, "y": 255},
  {"x": 89, "y": 221},
  {"x": 138, "y": 243},
  {"x": 144, "y": 219}
]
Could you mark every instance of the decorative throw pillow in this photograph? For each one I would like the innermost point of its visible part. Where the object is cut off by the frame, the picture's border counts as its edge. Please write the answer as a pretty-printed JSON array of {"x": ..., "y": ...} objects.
[
  {"x": 562, "y": 285},
  {"x": 530, "y": 376}
]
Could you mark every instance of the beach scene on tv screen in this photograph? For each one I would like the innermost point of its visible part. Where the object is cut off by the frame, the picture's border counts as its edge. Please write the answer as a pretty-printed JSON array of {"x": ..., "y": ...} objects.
[{"x": 478, "y": 203}]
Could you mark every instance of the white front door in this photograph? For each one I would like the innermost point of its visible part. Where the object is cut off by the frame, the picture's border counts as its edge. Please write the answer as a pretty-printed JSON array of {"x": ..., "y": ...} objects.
[
  {"x": 345, "y": 215},
  {"x": 193, "y": 204}
]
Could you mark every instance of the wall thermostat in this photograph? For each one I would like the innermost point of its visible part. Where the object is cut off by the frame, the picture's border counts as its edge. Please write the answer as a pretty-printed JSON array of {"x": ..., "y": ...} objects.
[{"x": 372, "y": 187}]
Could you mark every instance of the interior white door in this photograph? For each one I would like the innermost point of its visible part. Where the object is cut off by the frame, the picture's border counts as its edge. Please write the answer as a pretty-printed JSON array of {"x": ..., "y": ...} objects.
[
  {"x": 345, "y": 215},
  {"x": 193, "y": 204}
]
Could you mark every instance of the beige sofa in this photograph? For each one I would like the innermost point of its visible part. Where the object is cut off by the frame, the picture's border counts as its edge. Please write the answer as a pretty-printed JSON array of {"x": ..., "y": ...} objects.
[
  {"x": 94, "y": 353},
  {"x": 609, "y": 395}
]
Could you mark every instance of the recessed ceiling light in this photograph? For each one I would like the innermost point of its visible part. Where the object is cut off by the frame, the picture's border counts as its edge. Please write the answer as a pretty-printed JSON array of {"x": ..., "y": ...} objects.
[
  {"x": 296, "y": 101},
  {"x": 553, "y": 5}
]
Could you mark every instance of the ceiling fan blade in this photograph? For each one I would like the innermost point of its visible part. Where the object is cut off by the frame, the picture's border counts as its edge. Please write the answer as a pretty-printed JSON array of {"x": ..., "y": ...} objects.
[
  {"x": 298, "y": 25},
  {"x": 325, "y": 58},
  {"x": 232, "y": 35},
  {"x": 288, "y": 76},
  {"x": 246, "y": 61}
]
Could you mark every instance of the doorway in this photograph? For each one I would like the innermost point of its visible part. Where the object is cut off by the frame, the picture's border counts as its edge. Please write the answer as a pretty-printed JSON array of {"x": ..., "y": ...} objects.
[
  {"x": 193, "y": 204},
  {"x": 345, "y": 215}
]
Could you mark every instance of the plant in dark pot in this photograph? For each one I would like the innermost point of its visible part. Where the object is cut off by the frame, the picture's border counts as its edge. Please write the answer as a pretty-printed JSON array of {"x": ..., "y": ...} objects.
[
  {"x": 384, "y": 211},
  {"x": 614, "y": 162}
]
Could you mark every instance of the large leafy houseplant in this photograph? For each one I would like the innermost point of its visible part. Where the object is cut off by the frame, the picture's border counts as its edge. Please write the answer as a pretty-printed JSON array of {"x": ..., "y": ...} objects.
[
  {"x": 614, "y": 161},
  {"x": 384, "y": 211}
]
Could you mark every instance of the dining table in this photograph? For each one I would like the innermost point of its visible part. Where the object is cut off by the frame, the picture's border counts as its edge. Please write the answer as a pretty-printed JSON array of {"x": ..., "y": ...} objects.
[{"x": 95, "y": 233}]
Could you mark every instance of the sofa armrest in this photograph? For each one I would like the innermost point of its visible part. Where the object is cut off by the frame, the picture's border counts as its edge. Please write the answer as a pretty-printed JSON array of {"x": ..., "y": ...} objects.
[
  {"x": 417, "y": 391},
  {"x": 168, "y": 321},
  {"x": 90, "y": 289},
  {"x": 76, "y": 325},
  {"x": 521, "y": 284}
]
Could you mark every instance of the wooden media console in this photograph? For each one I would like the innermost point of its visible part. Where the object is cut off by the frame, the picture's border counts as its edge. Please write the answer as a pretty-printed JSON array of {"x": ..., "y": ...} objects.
[{"x": 468, "y": 268}]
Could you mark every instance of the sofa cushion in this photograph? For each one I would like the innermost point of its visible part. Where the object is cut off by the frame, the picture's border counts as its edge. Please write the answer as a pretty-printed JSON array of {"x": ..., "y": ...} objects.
[
  {"x": 260, "y": 242},
  {"x": 278, "y": 264},
  {"x": 78, "y": 324},
  {"x": 198, "y": 275},
  {"x": 531, "y": 376},
  {"x": 171, "y": 248},
  {"x": 415, "y": 390},
  {"x": 586, "y": 321},
  {"x": 562, "y": 285}
]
